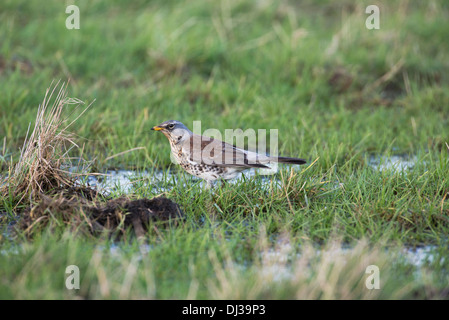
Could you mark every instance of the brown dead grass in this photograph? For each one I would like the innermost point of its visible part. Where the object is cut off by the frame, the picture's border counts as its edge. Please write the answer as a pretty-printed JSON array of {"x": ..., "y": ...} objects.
[{"x": 45, "y": 150}]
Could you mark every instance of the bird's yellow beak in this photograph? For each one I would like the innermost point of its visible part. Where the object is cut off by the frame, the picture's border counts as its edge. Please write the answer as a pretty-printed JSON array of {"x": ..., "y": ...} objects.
[{"x": 157, "y": 128}]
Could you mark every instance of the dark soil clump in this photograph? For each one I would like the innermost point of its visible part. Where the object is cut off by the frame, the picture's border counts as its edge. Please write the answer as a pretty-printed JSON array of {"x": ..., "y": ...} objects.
[{"x": 99, "y": 216}]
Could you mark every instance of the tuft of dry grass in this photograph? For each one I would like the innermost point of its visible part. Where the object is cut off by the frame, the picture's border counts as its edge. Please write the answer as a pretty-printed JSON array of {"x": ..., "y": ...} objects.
[{"x": 45, "y": 150}]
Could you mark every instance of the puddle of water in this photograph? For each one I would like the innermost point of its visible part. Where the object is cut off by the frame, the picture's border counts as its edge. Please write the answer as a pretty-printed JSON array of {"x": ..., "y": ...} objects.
[
  {"x": 14, "y": 250},
  {"x": 116, "y": 180},
  {"x": 124, "y": 181},
  {"x": 275, "y": 261},
  {"x": 117, "y": 251},
  {"x": 395, "y": 163},
  {"x": 419, "y": 256},
  {"x": 278, "y": 263}
]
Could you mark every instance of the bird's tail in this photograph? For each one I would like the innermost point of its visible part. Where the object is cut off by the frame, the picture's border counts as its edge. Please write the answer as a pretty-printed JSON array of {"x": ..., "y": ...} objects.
[{"x": 291, "y": 160}]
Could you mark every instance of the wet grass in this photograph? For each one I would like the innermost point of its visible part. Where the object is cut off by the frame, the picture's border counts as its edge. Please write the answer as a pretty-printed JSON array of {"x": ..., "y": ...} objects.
[{"x": 338, "y": 94}]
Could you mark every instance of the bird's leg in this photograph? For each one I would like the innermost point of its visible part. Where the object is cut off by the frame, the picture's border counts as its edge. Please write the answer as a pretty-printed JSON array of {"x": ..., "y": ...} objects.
[
  {"x": 223, "y": 182},
  {"x": 210, "y": 202},
  {"x": 209, "y": 185}
]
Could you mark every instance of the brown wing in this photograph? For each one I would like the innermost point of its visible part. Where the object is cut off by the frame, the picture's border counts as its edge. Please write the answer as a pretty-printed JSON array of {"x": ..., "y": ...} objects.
[{"x": 210, "y": 151}]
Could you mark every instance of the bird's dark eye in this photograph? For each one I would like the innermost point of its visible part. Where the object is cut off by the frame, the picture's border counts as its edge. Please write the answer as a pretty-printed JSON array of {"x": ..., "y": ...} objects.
[{"x": 171, "y": 126}]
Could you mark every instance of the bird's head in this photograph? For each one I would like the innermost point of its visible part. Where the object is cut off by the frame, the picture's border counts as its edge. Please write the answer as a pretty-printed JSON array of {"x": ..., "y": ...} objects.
[{"x": 174, "y": 130}]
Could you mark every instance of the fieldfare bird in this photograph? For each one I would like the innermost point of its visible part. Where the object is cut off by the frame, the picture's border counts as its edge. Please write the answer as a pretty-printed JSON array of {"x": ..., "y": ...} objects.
[{"x": 211, "y": 159}]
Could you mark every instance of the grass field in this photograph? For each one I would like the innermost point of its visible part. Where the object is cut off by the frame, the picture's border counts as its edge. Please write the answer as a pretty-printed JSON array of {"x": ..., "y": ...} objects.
[{"x": 339, "y": 95}]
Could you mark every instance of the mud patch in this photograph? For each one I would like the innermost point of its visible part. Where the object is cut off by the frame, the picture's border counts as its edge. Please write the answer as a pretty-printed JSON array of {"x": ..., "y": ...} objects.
[{"x": 113, "y": 216}]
